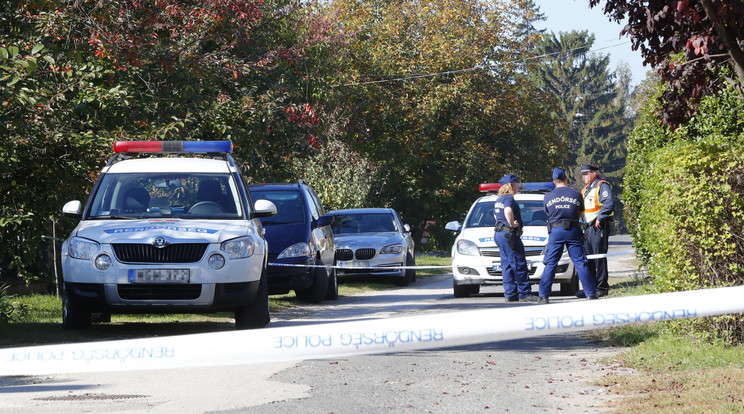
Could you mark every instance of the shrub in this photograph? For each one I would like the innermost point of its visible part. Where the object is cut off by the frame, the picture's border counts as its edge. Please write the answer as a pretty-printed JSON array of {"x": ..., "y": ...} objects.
[
  {"x": 8, "y": 310},
  {"x": 684, "y": 194},
  {"x": 340, "y": 176}
]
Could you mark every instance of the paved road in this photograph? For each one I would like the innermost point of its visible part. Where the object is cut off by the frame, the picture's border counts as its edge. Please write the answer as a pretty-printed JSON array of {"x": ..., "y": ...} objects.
[{"x": 543, "y": 374}]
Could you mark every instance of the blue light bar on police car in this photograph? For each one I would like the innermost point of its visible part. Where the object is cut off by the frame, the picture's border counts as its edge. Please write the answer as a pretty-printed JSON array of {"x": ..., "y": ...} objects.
[
  {"x": 492, "y": 187},
  {"x": 172, "y": 147}
]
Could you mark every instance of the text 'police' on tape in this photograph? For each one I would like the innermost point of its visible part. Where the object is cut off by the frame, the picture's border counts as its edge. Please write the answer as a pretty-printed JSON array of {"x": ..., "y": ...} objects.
[{"x": 334, "y": 340}]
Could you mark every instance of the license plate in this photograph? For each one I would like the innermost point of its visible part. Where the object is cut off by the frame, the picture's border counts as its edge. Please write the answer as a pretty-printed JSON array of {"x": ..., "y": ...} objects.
[
  {"x": 159, "y": 276},
  {"x": 351, "y": 263}
]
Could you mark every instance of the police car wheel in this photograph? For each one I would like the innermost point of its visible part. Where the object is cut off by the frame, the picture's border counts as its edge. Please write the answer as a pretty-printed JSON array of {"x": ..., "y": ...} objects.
[
  {"x": 256, "y": 315},
  {"x": 74, "y": 317},
  {"x": 463, "y": 291},
  {"x": 319, "y": 289},
  {"x": 332, "y": 293}
]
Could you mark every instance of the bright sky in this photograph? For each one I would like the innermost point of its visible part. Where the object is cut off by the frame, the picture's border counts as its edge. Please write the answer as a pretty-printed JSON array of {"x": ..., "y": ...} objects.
[{"x": 567, "y": 15}]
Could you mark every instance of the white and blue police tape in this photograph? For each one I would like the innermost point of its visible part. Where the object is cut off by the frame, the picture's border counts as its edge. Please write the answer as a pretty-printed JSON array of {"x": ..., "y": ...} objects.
[
  {"x": 534, "y": 260},
  {"x": 342, "y": 339}
]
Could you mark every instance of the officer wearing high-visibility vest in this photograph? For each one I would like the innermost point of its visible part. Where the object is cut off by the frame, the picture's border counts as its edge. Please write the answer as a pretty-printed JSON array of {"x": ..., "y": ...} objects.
[
  {"x": 599, "y": 204},
  {"x": 507, "y": 235},
  {"x": 564, "y": 207}
]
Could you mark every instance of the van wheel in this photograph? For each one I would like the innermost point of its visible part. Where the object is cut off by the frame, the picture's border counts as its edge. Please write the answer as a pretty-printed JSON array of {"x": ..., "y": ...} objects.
[
  {"x": 256, "y": 315},
  {"x": 319, "y": 289},
  {"x": 101, "y": 317},
  {"x": 74, "y": 316},
  {"x": 570, "y": 288},
  {"x": 332, "y": 293}
]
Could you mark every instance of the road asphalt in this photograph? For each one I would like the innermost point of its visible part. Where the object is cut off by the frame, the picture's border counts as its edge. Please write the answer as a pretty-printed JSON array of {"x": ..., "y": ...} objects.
[{"x": 541, "y": 374}]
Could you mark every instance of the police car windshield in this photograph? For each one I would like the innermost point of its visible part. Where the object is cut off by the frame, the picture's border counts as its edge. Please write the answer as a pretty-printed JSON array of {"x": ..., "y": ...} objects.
[
  {"x": 166, "y": 195},
  {"x": 482, "y": 214}
]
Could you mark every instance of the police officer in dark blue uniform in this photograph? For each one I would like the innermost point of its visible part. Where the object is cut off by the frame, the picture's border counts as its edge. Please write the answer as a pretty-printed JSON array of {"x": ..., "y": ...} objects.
[
  {"x": 599, "y": 204},
  {"x": 508, "y": 231},
  {"x": 564, "y": 207}
]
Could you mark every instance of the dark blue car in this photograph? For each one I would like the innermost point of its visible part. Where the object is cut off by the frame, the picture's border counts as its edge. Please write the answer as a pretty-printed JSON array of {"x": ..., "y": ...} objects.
[{"x": 299, "y": 234}]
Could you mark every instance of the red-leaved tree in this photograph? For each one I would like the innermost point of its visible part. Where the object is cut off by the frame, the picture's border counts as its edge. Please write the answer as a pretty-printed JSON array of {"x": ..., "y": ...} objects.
[{"x": 708, "y": 33}]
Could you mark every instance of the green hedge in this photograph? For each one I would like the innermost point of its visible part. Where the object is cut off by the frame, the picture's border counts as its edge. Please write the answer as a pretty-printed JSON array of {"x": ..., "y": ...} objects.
[{"x": 684, "y": 194}]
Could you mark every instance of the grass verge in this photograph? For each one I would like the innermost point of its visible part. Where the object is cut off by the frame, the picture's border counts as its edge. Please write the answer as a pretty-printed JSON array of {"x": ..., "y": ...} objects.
[{"x": 672, "y": 373}]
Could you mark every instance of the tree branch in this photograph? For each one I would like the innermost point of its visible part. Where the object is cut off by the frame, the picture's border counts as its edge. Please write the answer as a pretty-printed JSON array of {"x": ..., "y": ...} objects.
[{"x": 728, "y": 38}]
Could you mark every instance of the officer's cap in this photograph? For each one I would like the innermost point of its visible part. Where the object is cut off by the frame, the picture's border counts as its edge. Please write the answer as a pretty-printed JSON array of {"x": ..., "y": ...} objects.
[
  {"x": 508, "y": 178},
  {"x": 559, "y": 174},
  {"x": 585, "y": 168}
]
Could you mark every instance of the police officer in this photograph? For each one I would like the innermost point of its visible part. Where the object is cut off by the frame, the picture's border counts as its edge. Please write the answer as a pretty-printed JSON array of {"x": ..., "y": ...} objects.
[
  {"x": 564, "y": 207},
  {"x": 599, "y": 204},
  {"x": 515, "y": 276}
]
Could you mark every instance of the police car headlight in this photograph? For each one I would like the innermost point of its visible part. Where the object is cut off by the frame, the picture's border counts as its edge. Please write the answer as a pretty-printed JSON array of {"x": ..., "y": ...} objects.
[
  {"x": 392, "y": 249},
  {"x": 239, "y": 248},
  {"x": 295, "y": 250},
  {"x": 467, "y": 248},
  {"x": 103, "y": 262},
  {"x": 216, "y": 261},
  {"x": 81, "y": 248}
]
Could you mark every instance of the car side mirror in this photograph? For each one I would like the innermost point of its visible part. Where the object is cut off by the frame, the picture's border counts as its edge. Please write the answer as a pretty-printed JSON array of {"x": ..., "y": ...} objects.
[
  {"x": 263, "y": 208},
  {"x": 453, "y": 226},
  {"x": 73, "y": 208},
  {"x": 326, "y": 220},
  {"x": 407, "y": 228}
]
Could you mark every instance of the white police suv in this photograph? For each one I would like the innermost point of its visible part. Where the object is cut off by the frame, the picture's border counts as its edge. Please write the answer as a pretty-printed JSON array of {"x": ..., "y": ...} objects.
[
  {"x": 475, "y": 256},
  {"x": 167, "y": 234}
]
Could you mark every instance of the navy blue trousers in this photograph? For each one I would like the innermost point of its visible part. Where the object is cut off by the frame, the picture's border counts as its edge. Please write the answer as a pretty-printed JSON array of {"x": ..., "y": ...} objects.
[
  {"x": 516, "y": 278},
  {"x": 597, "y": 242},
  {"x": 571, "y": 238}
]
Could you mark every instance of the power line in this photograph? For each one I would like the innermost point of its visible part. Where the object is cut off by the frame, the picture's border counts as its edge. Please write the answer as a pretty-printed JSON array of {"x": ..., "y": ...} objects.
[{"x": 470, "y": 69}]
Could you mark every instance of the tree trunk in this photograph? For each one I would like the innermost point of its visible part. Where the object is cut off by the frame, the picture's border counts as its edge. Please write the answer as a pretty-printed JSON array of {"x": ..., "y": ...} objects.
[{"x": 730, "y": 41}]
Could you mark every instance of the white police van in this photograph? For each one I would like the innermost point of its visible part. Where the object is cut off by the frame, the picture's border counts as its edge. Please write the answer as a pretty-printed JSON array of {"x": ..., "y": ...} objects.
[
  {"x": 167, "y": 234},
  {"x": 475, "y": 256}
]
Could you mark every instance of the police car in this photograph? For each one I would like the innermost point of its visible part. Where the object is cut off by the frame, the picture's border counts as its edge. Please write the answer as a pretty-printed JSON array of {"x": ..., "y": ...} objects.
[
  {"x": 475, "y": 256},
  {"x": 167, "y": 234}
]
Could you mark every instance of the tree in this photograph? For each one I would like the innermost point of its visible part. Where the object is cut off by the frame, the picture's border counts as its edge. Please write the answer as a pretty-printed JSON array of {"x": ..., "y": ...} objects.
[
  {"x": 433, "y": 92},
  {"x": 590, "y": 101},
  {"x": 78, "y": 74},
  {"x": 532, "y": 15},
  {"x": 593, "y": 101},
  {"x": 687, "y": 41},
  {"x": 341, "y": 177},
  {"x": 604, "y": 136}
]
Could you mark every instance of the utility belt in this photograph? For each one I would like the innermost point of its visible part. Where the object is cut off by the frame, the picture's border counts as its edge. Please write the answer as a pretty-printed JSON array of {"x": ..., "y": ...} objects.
[
  {"x": 505, "y": 228},
  {"x": 512, "y": 234},
  {"x": 566, "y": 224}
]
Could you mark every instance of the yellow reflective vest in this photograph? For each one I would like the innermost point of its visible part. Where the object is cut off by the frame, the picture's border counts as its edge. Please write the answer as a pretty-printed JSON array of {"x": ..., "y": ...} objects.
[{"x": 592, "y": 205}]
